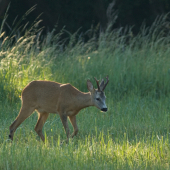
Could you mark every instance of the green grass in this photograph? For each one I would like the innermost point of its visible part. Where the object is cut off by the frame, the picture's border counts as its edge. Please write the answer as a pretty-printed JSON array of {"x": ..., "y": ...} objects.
[{"x": 133, "y": 134}]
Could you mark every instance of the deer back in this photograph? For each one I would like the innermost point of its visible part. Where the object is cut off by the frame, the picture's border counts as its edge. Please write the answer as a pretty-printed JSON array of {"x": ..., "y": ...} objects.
[{"x": 48, "y": 96}]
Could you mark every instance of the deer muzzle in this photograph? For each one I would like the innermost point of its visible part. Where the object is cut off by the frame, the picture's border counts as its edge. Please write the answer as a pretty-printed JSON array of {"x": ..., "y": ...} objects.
[{"x": 104, "y": 109}]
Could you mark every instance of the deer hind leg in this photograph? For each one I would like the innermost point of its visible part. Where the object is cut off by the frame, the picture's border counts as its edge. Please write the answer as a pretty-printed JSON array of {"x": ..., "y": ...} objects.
[
  {"x": 74, "y": 124},
  {"x": 40, "y": 123},
  {"x": 24, "y": 113}
]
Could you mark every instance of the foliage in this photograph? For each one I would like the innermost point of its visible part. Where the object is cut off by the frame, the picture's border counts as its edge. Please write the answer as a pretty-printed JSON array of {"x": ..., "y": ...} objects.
[
  {"x": 133, "y": 134},
  {"x": 87, "y": 14}
]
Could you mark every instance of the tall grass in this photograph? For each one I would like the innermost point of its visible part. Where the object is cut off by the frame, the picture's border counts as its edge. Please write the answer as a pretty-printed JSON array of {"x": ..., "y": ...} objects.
[
  {"x": 134, "y": 134},
  {"x": 135, "y": 64}
]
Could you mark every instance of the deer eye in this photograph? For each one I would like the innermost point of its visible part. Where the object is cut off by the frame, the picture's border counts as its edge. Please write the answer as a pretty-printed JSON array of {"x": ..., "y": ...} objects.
[{"x": 97, "y": 99}]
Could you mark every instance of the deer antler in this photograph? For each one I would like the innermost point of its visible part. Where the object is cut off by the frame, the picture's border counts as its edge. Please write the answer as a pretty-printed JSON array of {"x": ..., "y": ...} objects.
[
  {"x": 97, "y": 81},
  {"x": 106, "y": 83}
]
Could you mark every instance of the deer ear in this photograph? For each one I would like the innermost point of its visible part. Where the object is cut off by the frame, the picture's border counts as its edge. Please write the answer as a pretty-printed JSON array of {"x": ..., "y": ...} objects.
[{"x": 89, "y": 86}]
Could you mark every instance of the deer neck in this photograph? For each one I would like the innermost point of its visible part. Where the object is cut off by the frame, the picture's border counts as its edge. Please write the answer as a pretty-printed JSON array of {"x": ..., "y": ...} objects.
[{"x": 84, "y": 100}]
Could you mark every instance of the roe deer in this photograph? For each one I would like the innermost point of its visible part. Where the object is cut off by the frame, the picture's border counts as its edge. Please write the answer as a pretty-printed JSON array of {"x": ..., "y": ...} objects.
[{"x": 51, "y": 97}]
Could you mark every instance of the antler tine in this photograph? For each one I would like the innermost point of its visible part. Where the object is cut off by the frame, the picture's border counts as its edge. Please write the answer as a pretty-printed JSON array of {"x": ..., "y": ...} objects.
[
  {"x": 97, "y": 81},
  {"x": 106, "y": 82}
]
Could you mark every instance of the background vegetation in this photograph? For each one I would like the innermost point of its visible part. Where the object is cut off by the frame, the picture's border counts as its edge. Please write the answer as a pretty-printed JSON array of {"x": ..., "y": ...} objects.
[
  {"x": 86, "y": 14},
  {"x": 133, "y": 134}
]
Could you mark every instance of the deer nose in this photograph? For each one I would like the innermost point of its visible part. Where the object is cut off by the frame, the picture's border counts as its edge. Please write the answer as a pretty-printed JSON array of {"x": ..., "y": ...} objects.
[{"x": 104, "y": 109}]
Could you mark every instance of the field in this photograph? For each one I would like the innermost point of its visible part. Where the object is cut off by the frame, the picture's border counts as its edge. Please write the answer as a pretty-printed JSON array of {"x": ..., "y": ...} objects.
[{"x": 133, "y": 134}]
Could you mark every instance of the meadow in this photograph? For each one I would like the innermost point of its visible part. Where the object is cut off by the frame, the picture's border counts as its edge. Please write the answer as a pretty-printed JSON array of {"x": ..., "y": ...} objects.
[{"x": 133, "y": 134}]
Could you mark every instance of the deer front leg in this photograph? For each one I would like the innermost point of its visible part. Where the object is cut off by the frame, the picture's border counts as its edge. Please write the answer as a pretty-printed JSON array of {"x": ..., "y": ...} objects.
[
  {"x": 65, "y": 124},
  {"x": 74, "y": 124}
]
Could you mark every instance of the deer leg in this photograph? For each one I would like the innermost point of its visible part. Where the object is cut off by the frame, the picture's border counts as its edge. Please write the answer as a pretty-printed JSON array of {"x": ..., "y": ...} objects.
[
  {"x": 74, "y": 124},
  {"x": 42, "y": 117},
  {"x": 24, "y": 113},
  {"x": 65, "y": 124}
]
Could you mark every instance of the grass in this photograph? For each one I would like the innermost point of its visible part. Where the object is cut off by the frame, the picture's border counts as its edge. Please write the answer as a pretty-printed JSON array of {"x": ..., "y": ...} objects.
[{"x": 133, "y": 134}]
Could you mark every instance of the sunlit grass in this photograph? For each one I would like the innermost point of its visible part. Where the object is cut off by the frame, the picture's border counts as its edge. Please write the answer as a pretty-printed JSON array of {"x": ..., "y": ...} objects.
[{"x": 133, "y": 134}]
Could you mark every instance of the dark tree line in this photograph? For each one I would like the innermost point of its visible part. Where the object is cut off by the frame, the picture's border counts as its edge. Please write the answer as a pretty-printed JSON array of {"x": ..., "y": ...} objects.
[{"x": 74, "y": 14}]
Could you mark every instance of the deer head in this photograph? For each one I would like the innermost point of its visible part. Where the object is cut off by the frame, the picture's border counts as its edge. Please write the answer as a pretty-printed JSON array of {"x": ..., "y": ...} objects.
[{"x": 97, "y": 95}]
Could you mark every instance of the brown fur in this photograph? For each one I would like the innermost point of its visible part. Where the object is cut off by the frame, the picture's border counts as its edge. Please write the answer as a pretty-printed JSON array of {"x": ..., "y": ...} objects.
[{"x": 50, "y": 97}]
